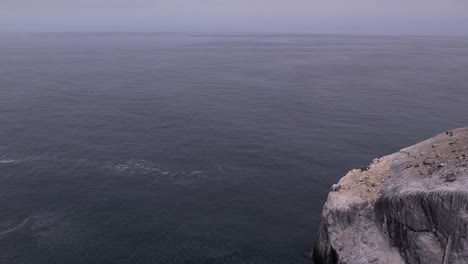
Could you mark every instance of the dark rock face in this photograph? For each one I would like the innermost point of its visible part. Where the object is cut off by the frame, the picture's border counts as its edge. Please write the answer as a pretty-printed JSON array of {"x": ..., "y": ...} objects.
[{"x": 408, "y": 207}]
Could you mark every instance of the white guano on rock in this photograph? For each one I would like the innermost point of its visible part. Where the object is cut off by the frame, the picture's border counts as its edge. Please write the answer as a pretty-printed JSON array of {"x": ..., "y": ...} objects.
[{"x": 410, "y": 207}]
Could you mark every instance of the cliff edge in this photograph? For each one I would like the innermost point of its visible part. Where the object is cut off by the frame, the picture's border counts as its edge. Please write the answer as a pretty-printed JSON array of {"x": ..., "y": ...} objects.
[{"x": 408, "y": 207}]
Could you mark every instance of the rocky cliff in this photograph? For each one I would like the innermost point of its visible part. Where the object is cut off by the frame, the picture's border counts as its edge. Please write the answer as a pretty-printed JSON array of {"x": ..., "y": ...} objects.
[{"x": 408, "y": 207}]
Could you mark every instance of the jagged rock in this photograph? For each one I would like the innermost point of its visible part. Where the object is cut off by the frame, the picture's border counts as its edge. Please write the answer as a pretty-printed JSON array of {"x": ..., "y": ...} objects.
[{"x": 408, "y": 207}]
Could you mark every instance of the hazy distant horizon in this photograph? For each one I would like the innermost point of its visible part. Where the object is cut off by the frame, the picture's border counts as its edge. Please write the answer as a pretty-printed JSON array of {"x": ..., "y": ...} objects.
[
  {"x": 258, "y": 33},
  {"x": 359, "y": 17}
]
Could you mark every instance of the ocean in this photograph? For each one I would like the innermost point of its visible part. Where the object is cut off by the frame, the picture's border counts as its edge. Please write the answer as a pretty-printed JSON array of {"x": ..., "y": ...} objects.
[{"x": 202, "y": 148}]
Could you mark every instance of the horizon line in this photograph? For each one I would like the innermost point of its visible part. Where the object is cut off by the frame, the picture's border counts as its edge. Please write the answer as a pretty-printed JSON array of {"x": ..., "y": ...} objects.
[{"x": 232, "y": 32}]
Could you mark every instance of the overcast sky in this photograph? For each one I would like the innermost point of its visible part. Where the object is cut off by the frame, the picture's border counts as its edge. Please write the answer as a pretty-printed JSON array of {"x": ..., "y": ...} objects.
[{"x": 433, "y": 17}]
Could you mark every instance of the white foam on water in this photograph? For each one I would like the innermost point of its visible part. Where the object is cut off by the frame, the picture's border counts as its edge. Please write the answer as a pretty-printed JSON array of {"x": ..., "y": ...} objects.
[
  {"x": 14, "y": 228},
  {"x": 32, "y": 159},
  {"x": 7, "y": 161},
  {"x": 135, "y": 167}
]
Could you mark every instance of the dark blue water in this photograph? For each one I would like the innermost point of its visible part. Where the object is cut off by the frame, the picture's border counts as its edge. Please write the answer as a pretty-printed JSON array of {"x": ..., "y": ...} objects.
[{"x": 192, "y": 148}]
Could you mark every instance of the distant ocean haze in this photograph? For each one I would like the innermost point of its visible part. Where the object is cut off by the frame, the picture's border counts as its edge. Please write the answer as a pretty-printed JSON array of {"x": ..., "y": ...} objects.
[{"x": 202, "y": 148}]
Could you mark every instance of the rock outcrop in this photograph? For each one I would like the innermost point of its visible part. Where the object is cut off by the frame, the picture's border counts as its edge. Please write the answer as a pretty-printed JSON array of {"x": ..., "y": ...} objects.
[{"x": 406, "y": 208}]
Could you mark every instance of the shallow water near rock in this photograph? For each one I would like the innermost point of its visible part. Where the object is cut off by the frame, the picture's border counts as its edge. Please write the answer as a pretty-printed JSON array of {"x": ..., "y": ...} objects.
[{"x": 197, "y": 148}]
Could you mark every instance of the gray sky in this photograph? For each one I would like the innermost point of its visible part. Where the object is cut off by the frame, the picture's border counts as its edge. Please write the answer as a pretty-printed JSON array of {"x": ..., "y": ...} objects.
[{"x": 315, "y": 16}]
